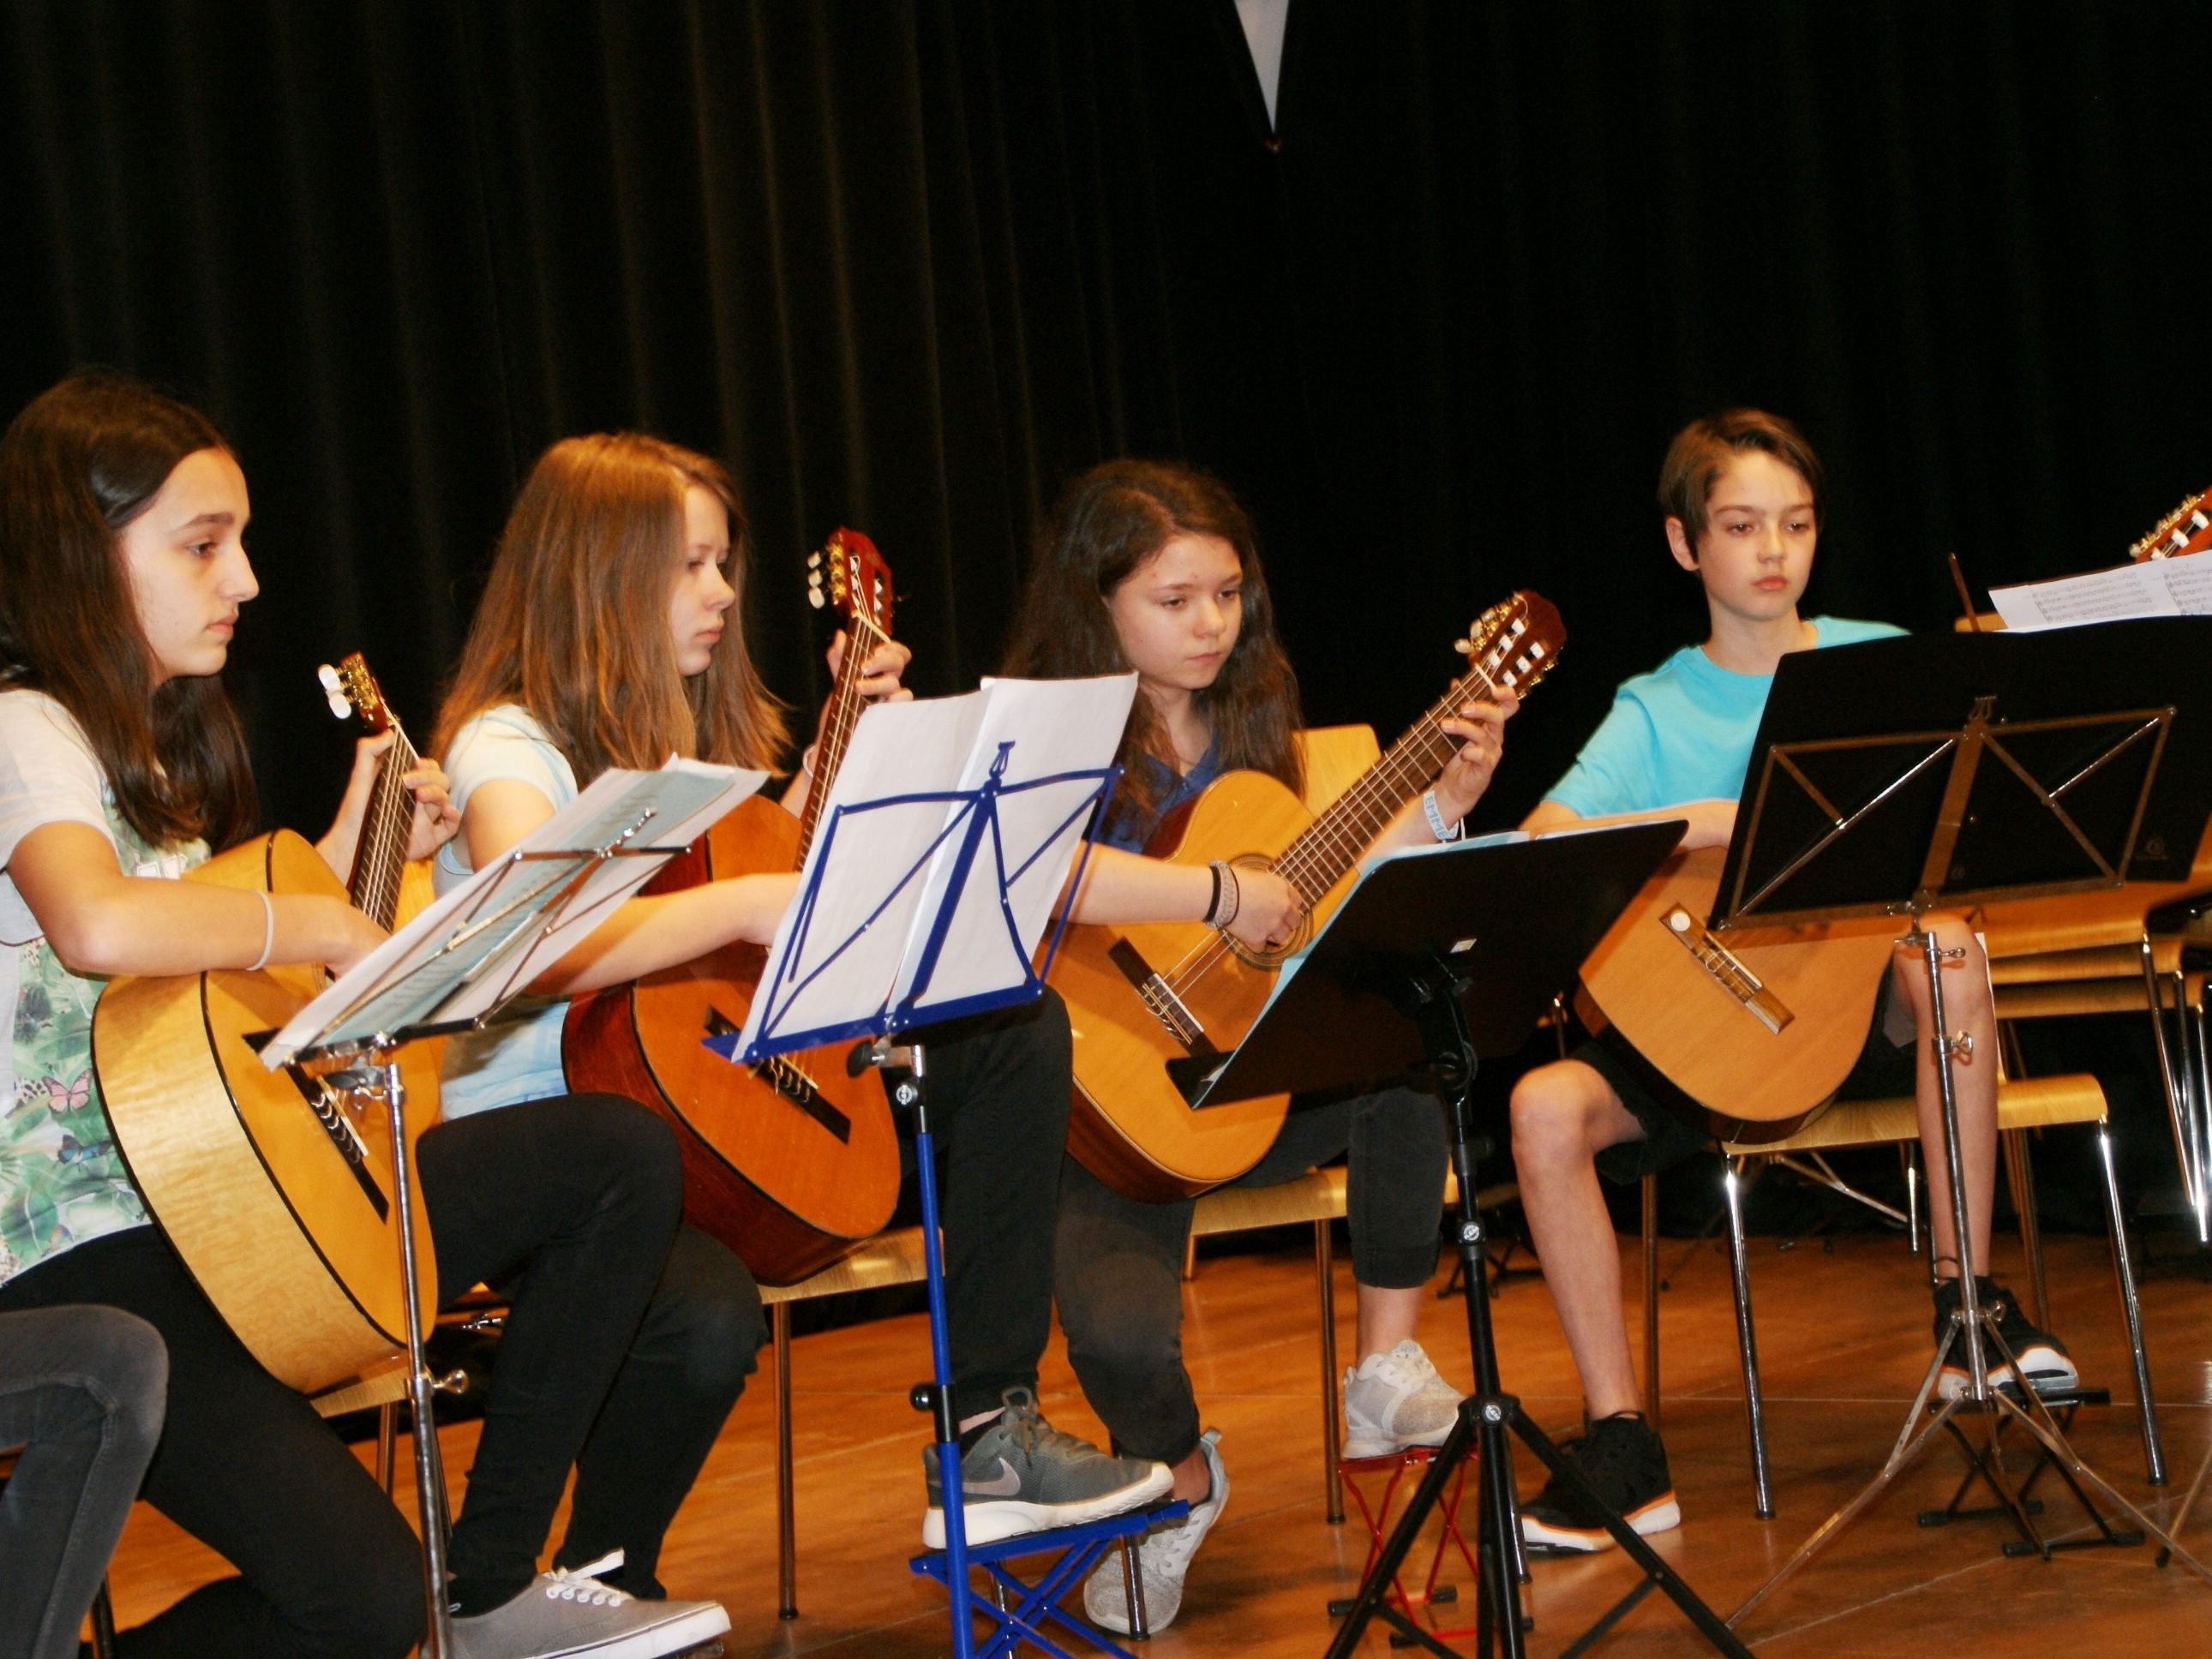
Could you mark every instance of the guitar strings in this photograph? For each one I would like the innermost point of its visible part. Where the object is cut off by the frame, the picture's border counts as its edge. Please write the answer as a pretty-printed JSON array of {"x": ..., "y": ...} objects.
[{"x": 1368, "y": 803}]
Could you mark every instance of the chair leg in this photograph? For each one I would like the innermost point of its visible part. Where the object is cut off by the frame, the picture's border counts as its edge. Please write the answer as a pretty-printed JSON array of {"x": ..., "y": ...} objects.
[
  {"x": 2020, "y": 1169},
  {"x": 103, "y": 1625},
  {"x": 2174, "y": 1079},
  {"x": 387, "y": 1443},
  {"x": 1652, "y": 1301},
  {"x": 2124, "y": 1273},
  {"x": 786, "y": 1526},
  {"x": 1332, "y": 1438},
  {"x": 1746, "y": 1344},
  {"x": 1189, "y": 1257}
]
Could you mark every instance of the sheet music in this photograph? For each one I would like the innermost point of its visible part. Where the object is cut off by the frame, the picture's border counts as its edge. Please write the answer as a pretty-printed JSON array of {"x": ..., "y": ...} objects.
[
  {"x": 2155, "y": 587},
  {"x": 880, "y": 872},
  {"x": 482, "y": 943}
]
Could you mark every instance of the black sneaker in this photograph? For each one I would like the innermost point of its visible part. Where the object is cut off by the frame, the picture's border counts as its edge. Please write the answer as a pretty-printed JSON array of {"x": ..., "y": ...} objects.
[
  {"x": 2042, "y": 1357},
  {"x": 1024, "y": 1475},
  {"x": 1625, "y": 1463}
]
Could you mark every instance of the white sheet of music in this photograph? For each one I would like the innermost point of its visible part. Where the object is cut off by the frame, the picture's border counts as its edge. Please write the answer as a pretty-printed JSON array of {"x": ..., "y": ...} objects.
[
  {"x": 2156, "y": 588},
  {"x": 481, "y": 943},
  {"x": 891, "y": 839}
]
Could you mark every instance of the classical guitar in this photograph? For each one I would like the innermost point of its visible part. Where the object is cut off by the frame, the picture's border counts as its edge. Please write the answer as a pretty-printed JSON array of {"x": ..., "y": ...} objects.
[
  {"x": 275, "y": 1188},
  {"x": 1757, "y": 1029},
  {"x": 1141, "y": 996},
  {"x": 2186, "y": 530},
  {"x": 792, "y": 1160}
]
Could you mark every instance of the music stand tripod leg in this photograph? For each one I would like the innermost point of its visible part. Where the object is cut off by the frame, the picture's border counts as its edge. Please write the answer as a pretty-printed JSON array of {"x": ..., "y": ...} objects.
[
  {"x": 911, "y": 1091},
  {"x": 1971, "y": 1327},
  {"x": 1433, "y": 1003},
  {"x": 429, "y": 1465}
]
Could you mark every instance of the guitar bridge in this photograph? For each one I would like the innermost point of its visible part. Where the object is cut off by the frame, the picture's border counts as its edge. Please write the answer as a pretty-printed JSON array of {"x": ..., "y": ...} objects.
[
  {"x": 1164, "y": 1004},
  {"x": 324, "y": 1102},
  {"x": 788, "y": 1081},
  {"x": 1727, "y": 968}
]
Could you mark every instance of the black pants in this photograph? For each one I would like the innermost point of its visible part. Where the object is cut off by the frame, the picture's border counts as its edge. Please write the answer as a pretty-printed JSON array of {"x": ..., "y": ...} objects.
[
  {"x": 1120, "y": 1260},
  {"x": 997, "y": 1095},
  {"x": 576, "y": 1200},
  {"x": 80, "y": 1391}
]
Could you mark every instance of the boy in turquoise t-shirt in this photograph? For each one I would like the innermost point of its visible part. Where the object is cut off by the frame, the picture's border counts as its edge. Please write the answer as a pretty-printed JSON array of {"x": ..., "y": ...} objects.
[{"x": 1741, "y": 494}]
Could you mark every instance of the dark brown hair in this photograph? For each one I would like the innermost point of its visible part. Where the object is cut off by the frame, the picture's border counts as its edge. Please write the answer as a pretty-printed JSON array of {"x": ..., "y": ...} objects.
[
  {"x": 1701, "y": 451},
  {"x": 574, "y": 624},
  {"x": 1108, "y": 524},
  {"x": 80, "y": 463}
]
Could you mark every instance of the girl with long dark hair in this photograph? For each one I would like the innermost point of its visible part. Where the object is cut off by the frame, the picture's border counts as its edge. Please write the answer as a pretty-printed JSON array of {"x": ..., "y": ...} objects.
[
  {"x": 1154, "y": 567},
  {"x": 122, "y": 572}
]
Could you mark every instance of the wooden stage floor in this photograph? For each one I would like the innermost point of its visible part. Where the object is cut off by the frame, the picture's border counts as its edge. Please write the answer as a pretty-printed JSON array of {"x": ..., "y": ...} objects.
[{"x": 1844, "y": 1339}]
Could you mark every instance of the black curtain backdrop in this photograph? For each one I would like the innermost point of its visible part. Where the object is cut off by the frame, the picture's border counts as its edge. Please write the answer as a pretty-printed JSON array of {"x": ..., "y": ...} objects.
[{"x": 909, "y": 263}]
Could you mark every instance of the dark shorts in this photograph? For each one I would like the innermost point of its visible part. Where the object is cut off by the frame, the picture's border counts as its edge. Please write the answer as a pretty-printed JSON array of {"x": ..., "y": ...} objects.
[{"x": 1883, "y": 1069}]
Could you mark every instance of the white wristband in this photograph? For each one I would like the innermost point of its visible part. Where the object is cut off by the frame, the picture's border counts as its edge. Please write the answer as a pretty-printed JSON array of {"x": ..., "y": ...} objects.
[
  {"x": 268, "y": 932},
  {"x": 1438, "y": 827}
]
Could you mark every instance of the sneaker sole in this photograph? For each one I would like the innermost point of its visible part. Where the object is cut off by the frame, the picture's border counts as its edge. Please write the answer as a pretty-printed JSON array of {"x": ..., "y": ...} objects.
[
  {"x": 1662, "y": 1513},
  {"x": 989, "y": 1522},
  {"x": 2045, "y": 1375},
  {"x": 680, "y": 1635},
  {"x": 1389, "y": 1445}
]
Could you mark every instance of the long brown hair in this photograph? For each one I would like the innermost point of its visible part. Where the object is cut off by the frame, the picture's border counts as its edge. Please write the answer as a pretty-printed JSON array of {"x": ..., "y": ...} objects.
[
  {"x": 573, "y": 625},
  {"x": 1108, "y": 524},
  {"x": 80, "y": 463}
]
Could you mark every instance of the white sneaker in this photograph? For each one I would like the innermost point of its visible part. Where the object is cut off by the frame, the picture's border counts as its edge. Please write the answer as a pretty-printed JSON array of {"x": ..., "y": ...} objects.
[
  {"x": 568, "y": 1612},
  {"x": 1396, "y": 1399},
  {"x": 1163, "y": 1557}
]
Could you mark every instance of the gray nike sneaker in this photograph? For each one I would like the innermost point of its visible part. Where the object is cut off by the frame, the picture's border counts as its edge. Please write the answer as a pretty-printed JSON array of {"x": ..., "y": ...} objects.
[
  {"x": 1024, "y": 1475},
  {"x": 570, "y": 1614}
]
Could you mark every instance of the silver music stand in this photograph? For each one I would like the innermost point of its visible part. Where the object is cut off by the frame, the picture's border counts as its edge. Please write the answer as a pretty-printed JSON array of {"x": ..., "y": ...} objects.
[
  {"x": 1912, "y": 812},
  {"x": 453, "y": 969}
]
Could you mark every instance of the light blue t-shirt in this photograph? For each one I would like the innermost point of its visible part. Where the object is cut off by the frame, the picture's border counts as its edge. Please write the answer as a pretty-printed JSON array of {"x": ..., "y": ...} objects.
[
  {"x": 519, "y": 1058},
  {"x": 1683, "y": 732}
]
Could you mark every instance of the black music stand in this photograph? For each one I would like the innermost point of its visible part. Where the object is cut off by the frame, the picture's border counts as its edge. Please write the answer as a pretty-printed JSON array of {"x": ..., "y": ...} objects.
[
  {"x": 1886, "y": 781},
  {"x": 1435, "y": 958}
]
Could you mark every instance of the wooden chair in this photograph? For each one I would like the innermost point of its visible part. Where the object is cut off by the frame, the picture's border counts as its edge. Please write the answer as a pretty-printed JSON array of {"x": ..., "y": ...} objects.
[{"x": 2024, "y": 1104}]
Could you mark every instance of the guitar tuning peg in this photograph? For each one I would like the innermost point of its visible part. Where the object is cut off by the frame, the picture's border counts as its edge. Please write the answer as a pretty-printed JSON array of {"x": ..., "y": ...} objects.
[
  {"x": 814, "y": 560},
  {"x": 814, "y": 595},
  {"x": 334, "y": 690}
]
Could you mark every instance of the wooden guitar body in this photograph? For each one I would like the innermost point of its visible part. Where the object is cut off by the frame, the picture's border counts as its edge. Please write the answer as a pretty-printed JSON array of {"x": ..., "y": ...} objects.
[
  {"x": 1131, "y": 1125},
  {"x": 273, "y": 1190},
  {"x": 1711, "y": 1031},
  {"x": 789, "y": 1162}
]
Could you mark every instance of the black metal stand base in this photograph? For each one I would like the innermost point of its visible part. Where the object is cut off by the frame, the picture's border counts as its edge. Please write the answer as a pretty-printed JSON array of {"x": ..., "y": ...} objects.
[{"x": 1487, "y": 1418}]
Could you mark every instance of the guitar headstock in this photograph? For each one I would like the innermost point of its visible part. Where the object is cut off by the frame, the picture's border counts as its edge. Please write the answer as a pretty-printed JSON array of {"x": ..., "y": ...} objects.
[
  {"x": 2186, "y": 530},
  {"x": 1514, "y": 643},
  {"x": 353, "y": 690},
  {"x": 848, "y": 574}
]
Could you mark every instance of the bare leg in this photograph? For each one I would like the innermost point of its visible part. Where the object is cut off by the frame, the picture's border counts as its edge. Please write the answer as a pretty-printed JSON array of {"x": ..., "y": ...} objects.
[
  {"x": 1564, "y": 1115},
  {"x": 1388, "y": 1315},
  {"x": 1966, "y": 1007}
]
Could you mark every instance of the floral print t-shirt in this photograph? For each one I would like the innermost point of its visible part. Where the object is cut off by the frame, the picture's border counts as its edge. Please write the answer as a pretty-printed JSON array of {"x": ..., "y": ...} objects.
[{"x": 61, "y": 1180}]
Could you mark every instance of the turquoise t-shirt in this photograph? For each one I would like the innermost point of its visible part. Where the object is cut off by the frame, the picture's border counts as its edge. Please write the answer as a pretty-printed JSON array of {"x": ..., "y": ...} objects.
[
  {"x": 1683, "y": 732},
  {"x": 519, "y": 1058}
]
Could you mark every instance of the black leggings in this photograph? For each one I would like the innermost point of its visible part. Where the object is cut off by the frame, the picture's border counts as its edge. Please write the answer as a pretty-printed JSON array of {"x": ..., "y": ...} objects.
[{"x": 576, "y": 1198}]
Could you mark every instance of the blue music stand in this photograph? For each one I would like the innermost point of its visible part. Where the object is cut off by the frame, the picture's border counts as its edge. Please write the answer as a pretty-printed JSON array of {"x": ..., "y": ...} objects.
[{"x": 966, "y": 894}]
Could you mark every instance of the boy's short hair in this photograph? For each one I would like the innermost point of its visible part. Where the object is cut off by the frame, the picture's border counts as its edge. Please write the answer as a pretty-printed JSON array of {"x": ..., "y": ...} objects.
[{"x": 1701, "y": 452}]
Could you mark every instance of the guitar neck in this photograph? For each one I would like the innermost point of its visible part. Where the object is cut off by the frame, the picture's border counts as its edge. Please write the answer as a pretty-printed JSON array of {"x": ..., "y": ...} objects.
[
  {"x": 845, "y": 702},
  {"x": 380, "y": 859},
  {"x": 1319, "y": 858}
]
